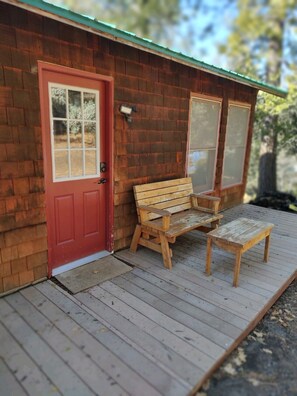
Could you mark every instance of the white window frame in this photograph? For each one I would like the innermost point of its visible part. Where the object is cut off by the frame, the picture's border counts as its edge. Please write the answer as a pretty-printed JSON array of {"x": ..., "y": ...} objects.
[
  {"x": 246, "y": 106},
  {"x": 210, "y": 99},
  {"x": 52, "y": 119}
]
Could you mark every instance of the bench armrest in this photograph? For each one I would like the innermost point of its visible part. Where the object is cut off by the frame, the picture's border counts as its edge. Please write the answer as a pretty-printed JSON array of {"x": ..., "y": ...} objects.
[
  {"x": 144, "y": 212},
  {"x": 207, "y": 197},
  {"x": 205, "y": 203}
]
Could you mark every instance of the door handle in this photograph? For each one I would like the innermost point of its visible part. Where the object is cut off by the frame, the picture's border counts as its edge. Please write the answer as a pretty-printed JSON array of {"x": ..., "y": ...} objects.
[{"x": 102, "y": 181}]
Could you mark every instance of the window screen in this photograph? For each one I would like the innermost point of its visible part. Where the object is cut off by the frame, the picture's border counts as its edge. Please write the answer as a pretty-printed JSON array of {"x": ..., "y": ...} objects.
[
  {"x": 235, "y": 146},
  {"x": 204, "y": 126}
]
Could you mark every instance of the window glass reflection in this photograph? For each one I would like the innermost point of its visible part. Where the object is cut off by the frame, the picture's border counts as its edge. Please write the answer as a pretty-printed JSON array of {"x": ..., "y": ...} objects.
[
  {"x": 75, "y": 111},
  {"x": 58, "y": 96}
]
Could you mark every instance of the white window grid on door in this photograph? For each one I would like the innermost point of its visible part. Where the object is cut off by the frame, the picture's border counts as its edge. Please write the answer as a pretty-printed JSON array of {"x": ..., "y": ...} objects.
[{"x": 83, "y": 122}]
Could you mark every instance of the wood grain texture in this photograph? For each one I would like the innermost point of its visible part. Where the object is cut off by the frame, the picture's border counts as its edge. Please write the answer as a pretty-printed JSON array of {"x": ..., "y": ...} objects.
[
  {"x": 150, "y": 331},
  {"x": 241, "y": 307},
  {"x": 169, "y": 209},
  {"x": 237, "y": 237}
]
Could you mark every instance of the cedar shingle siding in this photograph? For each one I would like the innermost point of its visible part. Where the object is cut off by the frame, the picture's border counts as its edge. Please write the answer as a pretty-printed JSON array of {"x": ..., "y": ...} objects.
[{"x": 152, "y": 148}]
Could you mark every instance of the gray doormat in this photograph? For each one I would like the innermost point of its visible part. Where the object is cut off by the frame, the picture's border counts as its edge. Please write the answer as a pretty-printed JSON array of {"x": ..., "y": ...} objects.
[{"x": 91, "y": 274}]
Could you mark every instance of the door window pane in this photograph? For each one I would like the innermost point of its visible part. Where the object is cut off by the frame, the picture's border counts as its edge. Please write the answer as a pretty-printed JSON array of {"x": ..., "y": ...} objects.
[
  {"x": 75, "y": 105},
  {"x": 90, "y": 134},
  {"x": 60, "y": 134},
  {"x": 76, "y": 157},
  {"x": 58, "y": 102},
  {"x": 75, "y": 120},
  {"x": 204, "y": 125},
  {"x": 235, "y": 146},
  {"x": 61, "y": 164},
  {"x": 75, "y": 133},
  {"x": 89, "y": 106},
  {"x": 90, "y": 162}
]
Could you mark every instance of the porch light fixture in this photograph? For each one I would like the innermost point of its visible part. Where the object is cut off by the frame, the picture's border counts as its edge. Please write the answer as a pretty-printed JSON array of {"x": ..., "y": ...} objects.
[{"x": 127, "y": 110}]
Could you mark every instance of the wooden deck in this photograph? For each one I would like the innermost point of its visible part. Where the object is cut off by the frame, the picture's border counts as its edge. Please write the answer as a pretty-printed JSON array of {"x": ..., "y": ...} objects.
[{"x": 151, "y": 331}]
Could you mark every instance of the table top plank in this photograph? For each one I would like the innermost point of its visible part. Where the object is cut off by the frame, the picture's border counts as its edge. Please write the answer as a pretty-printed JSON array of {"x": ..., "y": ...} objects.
[{"x": 241, "y": 231}]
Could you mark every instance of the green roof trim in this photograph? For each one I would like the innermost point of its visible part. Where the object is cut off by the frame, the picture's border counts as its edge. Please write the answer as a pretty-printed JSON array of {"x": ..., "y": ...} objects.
[{"x": 146, "y": 44}]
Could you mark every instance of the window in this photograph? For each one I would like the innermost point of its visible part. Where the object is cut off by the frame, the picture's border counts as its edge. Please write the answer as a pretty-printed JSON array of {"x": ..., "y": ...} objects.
[
  {"x": 204, "y": 126},
  {"x": 235, "y": 146},
  {"x": 74, "y": 116}
]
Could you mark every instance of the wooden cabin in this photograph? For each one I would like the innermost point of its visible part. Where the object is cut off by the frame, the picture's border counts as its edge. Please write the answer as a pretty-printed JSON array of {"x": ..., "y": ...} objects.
[{"x": 87, "y": 111}]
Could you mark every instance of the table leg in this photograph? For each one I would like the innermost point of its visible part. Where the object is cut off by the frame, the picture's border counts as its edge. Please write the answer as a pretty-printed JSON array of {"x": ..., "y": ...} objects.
[
  {"x": 208, "y": 256},
  {"x": 266, "y": 251},
  {"x": 237, "y": 268}
]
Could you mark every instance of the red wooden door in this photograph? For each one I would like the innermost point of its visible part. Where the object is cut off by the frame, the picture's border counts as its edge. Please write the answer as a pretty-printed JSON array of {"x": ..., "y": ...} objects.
[{"x": 74, "y": 135}]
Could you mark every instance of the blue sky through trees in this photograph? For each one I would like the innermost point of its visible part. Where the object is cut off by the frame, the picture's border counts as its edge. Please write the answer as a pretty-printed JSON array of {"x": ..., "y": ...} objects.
[{"x": 201, "y": 27}]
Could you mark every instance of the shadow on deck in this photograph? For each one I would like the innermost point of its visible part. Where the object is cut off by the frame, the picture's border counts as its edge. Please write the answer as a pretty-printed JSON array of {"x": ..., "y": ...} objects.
[{"x": 150, "y": 331}]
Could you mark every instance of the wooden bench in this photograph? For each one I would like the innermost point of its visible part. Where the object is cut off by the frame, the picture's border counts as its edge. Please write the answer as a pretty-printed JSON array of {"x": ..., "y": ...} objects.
[
  {"x": 238, "y": 236},
  {"x": 168, "y": 209}
]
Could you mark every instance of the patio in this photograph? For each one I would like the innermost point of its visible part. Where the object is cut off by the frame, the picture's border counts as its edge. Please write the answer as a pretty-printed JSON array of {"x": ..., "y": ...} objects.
[{"x": 150, "y": 331}]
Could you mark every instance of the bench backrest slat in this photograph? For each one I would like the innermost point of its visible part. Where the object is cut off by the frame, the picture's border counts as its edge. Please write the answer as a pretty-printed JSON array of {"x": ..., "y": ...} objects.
[{"x": 172, "y": 195}]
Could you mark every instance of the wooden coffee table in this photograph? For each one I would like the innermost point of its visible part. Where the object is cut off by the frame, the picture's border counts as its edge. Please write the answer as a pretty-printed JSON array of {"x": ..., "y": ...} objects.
[{"x": 237, "y": 237}]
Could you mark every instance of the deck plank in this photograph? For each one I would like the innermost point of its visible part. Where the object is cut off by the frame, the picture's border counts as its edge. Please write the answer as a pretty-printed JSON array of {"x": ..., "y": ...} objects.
[
  {"x": 172, "y": 312},
  {"x": 151, "y": 266},
  {"x": 62, "y": 343},
  {"x": 193, "y": 355},
  {"x": 103, "y": 345},
  {"x": 151, "y": 331},
  {"x": 55, "y": 368},
  {"x": 8, "y": 383},
  {"x": 168, "y": 357},
  {"x": 165, "y": 321},
  {"x": 182, "y": 300},
  {"x": 221, "y": 279},
  {"x": 254, "y": 258},
  {"x": 24, "y": 369},
  {"x": 241, "y": 311}
]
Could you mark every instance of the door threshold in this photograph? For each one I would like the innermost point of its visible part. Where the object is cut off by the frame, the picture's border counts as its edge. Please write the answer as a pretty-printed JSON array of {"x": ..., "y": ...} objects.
[{"x": 80, "y": 262}]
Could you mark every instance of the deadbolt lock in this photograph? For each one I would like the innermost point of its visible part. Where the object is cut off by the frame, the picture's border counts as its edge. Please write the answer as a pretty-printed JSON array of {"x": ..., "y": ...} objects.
[{"x": 103, "y": 167}]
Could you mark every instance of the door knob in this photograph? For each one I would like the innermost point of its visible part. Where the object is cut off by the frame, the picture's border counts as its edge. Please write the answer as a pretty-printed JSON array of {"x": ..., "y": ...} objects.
[{"x": 102, "y": 181}]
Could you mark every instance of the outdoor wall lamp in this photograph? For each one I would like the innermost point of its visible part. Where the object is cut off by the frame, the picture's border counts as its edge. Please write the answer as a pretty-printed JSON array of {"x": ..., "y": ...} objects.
[{"x": 127, "y": 110}]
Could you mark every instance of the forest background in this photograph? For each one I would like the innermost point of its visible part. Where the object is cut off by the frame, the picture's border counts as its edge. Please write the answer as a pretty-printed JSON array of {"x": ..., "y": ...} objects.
[{"x": 257, "y": 38}]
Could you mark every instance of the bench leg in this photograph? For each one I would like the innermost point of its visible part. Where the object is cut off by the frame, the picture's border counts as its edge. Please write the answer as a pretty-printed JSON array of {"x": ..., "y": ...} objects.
[
  {"x": 208, "y": 256},
  {"x": 266, "y": 251},
  {"x": 237, "y": 268},
  {"x": 215, "y": 224},
  {"x": 135, "y": 239},
  {"x": 165, "y": 251}
]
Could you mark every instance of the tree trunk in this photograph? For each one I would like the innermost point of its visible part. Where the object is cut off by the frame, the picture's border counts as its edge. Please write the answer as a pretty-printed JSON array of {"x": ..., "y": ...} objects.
[
  {"x": 268, "y": 157},
  {"x": 267, "y": 167},
  {"x": 268, "y": 150}
]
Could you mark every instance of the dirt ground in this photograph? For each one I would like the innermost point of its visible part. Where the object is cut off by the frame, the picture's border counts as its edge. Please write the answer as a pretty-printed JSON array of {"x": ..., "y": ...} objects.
[{"x": 265, "y": 363}]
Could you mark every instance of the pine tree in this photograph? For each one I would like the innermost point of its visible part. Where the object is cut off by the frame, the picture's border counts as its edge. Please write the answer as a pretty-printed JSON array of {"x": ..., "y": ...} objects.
[
  {"x": 151, "y": 19},
  {"x": 262, "y": 44}
]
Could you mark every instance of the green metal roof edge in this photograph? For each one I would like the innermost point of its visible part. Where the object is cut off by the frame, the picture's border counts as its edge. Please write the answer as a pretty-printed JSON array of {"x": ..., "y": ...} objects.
[{"x": 145, "y": 43}]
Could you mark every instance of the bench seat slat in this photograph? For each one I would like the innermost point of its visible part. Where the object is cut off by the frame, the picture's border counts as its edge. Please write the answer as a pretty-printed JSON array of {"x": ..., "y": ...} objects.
[{"x": 183, "y": 222}]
